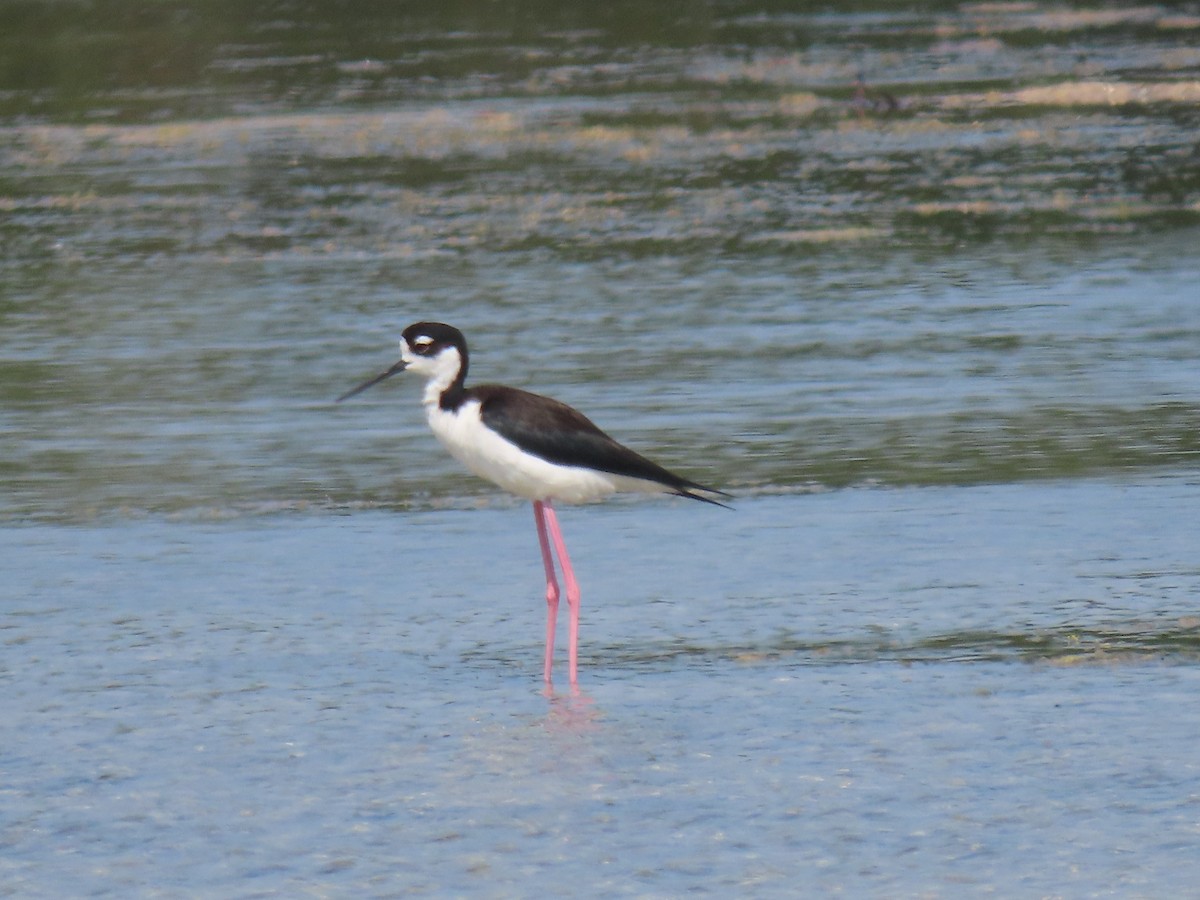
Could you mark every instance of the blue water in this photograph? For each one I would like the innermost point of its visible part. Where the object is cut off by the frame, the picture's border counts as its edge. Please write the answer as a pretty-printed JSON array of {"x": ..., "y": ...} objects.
[
  {"x": 884, "y": 692},
  {"x": 917, "y": 286}
]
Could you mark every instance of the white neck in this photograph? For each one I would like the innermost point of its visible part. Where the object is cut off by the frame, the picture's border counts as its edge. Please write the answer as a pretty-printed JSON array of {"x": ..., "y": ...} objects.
[{"x": 440, "y": 372}]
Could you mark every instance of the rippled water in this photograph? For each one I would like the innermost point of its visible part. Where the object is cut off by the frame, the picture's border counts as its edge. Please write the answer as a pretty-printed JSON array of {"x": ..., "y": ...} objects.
[
  {"x": 721, "y": 242},
  {"x": 917, "y": 285}
]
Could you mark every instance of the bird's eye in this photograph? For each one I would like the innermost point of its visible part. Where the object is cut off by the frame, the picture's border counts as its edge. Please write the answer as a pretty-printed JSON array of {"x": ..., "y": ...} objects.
[{"x": 423, "y": 345}]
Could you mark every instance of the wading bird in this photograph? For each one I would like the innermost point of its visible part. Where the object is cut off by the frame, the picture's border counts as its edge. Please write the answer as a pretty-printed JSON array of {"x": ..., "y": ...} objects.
[{"x": 531, "y": 446}]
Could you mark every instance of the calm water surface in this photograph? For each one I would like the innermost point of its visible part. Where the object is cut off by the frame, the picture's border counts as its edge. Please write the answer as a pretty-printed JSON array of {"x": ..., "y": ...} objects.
[{"x": 917, "y": 286}]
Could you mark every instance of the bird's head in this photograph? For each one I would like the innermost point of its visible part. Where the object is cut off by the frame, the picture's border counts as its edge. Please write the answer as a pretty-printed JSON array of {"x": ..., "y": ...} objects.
[{"x": 437, "y": 351}]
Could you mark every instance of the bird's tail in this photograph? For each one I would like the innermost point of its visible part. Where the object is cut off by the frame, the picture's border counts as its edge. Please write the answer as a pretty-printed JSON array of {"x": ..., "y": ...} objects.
[{"x": 694, "y": 491}]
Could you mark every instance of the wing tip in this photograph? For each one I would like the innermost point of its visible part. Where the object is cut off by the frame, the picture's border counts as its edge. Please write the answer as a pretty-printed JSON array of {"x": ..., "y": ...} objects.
[{"x": 697, "y": 492}]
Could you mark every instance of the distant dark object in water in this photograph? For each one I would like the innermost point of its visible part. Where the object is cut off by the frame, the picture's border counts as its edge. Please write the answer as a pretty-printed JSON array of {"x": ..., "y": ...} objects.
[{"x": 872, "y": 100}]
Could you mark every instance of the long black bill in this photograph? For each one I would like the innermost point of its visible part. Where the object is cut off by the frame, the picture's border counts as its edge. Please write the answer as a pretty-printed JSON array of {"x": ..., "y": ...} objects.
[{"x": 371, "y": 382}]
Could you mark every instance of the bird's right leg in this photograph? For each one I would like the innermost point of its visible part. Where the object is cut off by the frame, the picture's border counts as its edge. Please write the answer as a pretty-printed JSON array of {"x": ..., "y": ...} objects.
[{"x": 560, "y": 547}]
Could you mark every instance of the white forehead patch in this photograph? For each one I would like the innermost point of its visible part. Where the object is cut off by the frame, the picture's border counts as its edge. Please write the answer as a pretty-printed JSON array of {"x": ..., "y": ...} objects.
[{"x": 422, "y": 340}]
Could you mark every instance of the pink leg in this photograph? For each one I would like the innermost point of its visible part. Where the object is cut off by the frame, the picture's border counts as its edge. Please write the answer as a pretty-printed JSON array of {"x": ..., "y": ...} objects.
[
  {"x": 551, "y": 586},
  {"x": 560, "y": 547}
]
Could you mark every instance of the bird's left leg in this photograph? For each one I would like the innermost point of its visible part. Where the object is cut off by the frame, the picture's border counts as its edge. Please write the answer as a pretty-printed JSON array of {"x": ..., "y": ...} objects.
[{"x": 539, "y": 518}]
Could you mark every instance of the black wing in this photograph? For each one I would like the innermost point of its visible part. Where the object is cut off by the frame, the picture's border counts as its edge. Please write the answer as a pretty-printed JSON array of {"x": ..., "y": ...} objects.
[{"x": 560, "y": 434}]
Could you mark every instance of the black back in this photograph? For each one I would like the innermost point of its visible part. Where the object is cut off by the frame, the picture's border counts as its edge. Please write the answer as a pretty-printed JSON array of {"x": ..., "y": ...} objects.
[{"x": 561, "y": 434}]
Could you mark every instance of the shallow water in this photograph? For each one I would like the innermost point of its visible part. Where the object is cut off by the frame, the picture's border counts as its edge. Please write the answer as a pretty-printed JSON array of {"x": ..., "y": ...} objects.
[
  {"x": 900, "y": 692},
  {"x": 918, "y": 287}
]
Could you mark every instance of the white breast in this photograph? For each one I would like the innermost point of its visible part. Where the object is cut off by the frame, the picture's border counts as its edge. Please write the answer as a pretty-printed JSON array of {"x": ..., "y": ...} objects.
[{"x": 502, "y": 462}]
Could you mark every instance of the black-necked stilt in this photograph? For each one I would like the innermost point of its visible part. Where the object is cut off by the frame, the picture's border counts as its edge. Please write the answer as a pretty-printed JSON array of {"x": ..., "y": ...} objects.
[{"x": 531, "y": 446}]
